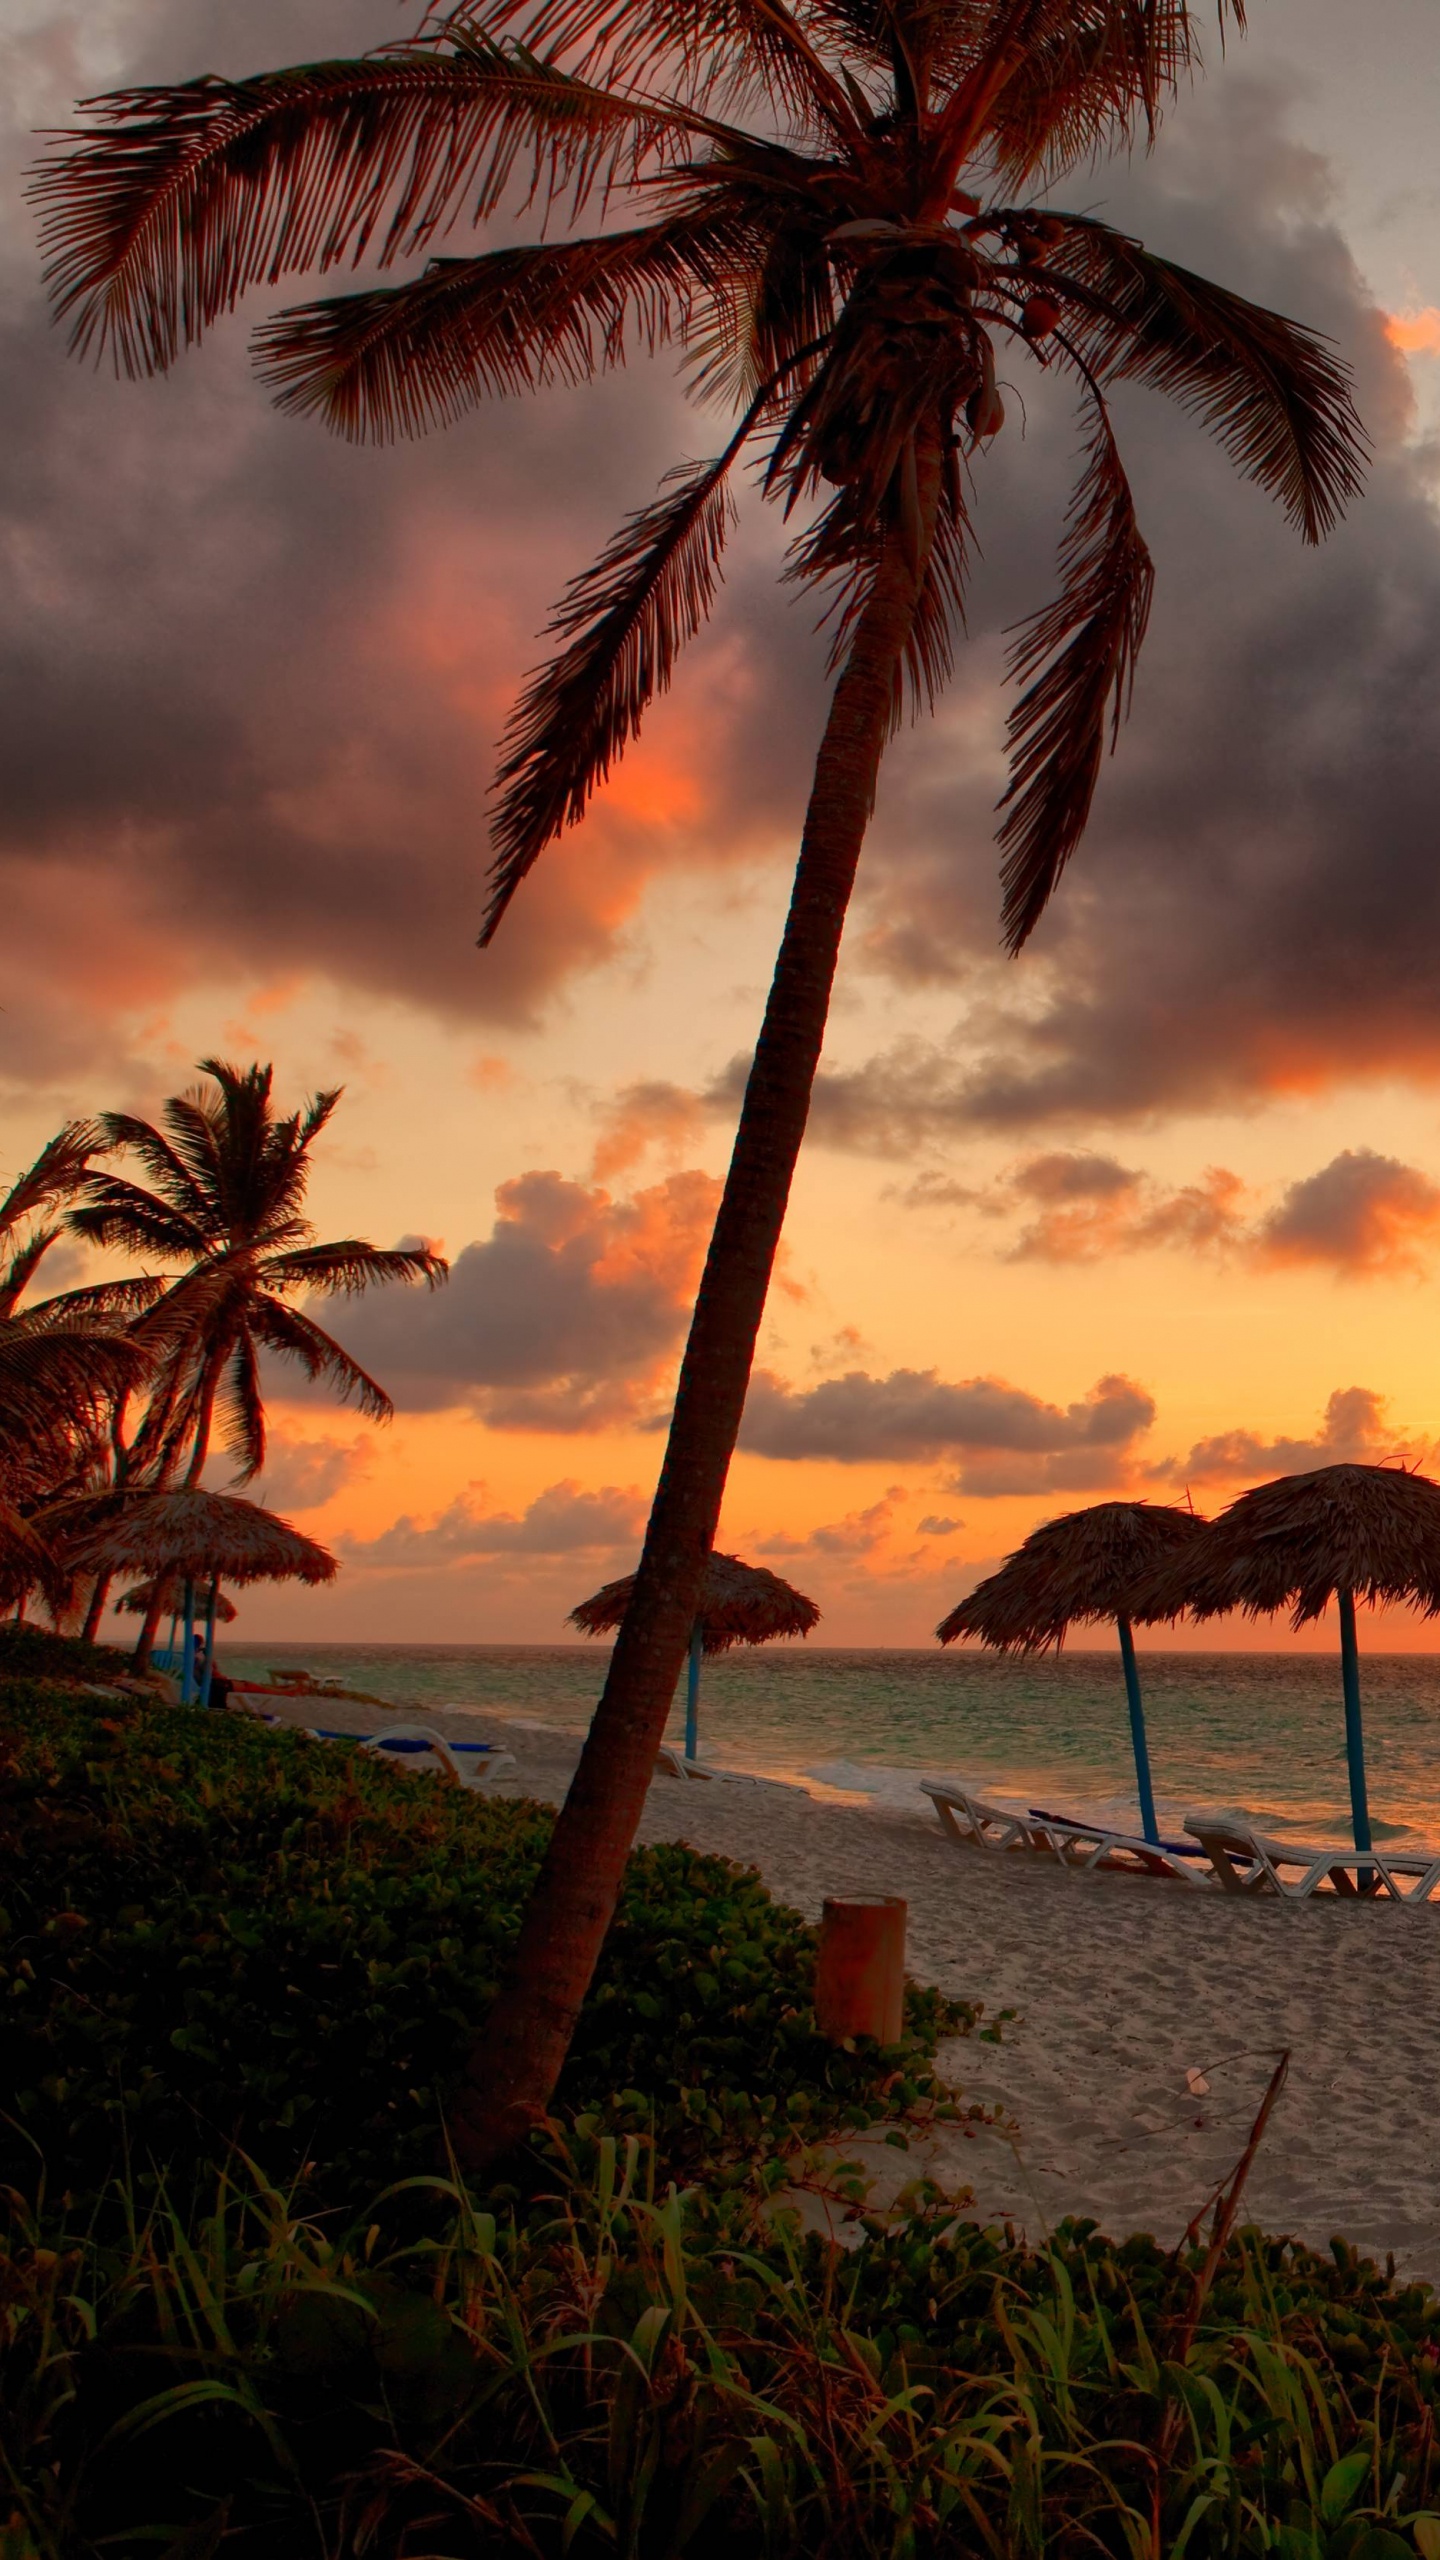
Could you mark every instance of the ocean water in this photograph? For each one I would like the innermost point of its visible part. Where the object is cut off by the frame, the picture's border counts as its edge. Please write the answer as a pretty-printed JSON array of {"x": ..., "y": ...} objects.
[{"x": 1260, "y": 1732}]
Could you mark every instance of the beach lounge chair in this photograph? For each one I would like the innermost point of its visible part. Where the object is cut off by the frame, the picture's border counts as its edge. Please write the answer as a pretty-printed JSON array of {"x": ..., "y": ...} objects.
[
  {"x": 988, "y": 1823},
  {"x": 671, "y": 1762},
  {"x": 1248, "y": 1861},
  {"x": 419, "y": 1746}
]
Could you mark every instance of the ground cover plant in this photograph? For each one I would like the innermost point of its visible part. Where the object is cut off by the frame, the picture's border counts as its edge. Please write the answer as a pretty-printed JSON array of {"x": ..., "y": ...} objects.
[
  {"x": 621, "y": 2371},
  {"x": 216, "y": 1932},
  {"x": 323, "y": 2348}
]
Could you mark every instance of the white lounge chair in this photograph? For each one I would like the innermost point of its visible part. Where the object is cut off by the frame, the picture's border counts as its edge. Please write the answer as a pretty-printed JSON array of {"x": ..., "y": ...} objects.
[
  {"x": 1248, "y": 1861},
  {"x": 671, "y": 1762},
  {"x": 989, "y": 1823}
]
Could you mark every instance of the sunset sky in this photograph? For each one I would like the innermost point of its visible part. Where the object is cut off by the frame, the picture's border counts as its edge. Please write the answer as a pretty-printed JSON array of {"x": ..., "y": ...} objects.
[{"x": 1156, "y": 1207}]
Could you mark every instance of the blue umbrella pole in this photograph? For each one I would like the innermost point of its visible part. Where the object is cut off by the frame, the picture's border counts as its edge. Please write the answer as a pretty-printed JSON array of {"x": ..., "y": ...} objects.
[
  {"x": 1354, "y": 1728},
  {"x": 1148, "y": 1823},
  {"x": 187, "y": 1655},
  {"x": 211, "y": 1607},
  {"x": 692, "y": 1692}
]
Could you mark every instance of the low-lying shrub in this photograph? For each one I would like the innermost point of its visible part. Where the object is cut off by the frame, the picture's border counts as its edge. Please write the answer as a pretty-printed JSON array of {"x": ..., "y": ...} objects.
[
  {"x": 37, "y": 1653},
  {"x": 216, "y": 1932},
  {"x": 642, "y": 2375}
]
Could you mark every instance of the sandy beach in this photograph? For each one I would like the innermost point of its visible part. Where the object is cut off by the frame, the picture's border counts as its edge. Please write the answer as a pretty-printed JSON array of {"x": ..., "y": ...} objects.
[{"x": 1121, "y": 1985}]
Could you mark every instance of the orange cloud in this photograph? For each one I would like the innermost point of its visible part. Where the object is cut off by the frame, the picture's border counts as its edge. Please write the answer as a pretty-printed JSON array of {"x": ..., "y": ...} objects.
[
  {"x": 642, "y": 1116},
  {"x": 1415, "y": 333},
  {"x": 1355, "y": 1431},
  {"x": 567, "y": 1317},
  {"x": 1361, "y": 1214}
]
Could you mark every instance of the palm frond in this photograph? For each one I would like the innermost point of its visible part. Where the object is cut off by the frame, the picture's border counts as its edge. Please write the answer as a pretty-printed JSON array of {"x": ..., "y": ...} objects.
[
  {"x": 734, "y": 53},
  {"x": 842, "y": 550},
  {"x": 395, "y": 362},
  {"x": 1050, "y": 83},
  {"x": 293, "y": 1336},
  {"x": 121, "y": 1213},
  {"x": 349, "y": 1266},
  {"x": 1076, "y": 658},
  {"x": 626, "y": 621},
  {"x": 101, "y": 1301},
  {"x": 240, "y": 1410},
  {"x": 22, "y": 1267},
  {"x": 124, "y": 1134},
  {"x": 1275, "y": 395},
  {"x": 156, "y": 219},
  {"x": 56, "y": 1174}
]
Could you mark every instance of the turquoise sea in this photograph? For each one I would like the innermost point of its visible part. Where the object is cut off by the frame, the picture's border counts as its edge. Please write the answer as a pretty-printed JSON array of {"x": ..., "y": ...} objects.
[{"x": 1261, "y": 1732}]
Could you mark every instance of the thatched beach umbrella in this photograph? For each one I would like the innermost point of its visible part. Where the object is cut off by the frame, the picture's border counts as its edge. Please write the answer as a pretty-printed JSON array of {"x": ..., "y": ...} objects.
[
  {"x": 1085, "y": 1566},
  {"x": 171, "y": 1595},
  {"x": 1338, "y": 1533},
  {"x": 192, "y": 1536},
  {"x": 739, "y": 1604}
]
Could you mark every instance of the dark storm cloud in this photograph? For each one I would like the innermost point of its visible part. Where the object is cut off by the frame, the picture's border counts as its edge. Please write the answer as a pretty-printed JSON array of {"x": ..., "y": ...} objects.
[
  {"x": 1257, "y": 904},
  {"x": 253, "y": 680},
  {"x": 1006, "y": 1440},
  {"x": 563, "y": 1319}
]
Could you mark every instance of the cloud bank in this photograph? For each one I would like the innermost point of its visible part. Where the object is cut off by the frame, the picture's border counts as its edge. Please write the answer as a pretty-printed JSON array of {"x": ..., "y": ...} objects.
[{"x": 564, "y": 1319}]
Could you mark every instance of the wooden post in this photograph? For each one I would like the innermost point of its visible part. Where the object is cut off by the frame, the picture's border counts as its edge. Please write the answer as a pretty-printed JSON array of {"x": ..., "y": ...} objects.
[
  {"x": 860, "y": 1969},
  {"x": 1148, "y": 1823},
  {"x": 187, "y": 1647}
]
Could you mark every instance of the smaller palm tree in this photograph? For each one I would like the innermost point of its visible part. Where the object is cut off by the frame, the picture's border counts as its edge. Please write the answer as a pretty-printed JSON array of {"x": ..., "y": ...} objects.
[
  {"x": 66, "y": 1362},
  {"x": 227, "y": 1180}
]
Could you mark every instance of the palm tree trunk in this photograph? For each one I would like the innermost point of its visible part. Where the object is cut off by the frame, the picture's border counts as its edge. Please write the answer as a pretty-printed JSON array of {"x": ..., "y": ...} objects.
[
  {"x": 514, "y": 2067},
  {"x": 96, "y": 1610},
  {"x": 149, "y": 1628}
]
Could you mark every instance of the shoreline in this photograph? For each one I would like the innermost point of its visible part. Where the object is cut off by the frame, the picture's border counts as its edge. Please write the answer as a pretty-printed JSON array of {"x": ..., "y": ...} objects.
[{"x": 1123, "y": 1985}]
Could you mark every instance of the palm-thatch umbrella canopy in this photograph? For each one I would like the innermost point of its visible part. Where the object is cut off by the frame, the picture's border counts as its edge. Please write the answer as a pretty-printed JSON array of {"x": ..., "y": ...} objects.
[
  {"x": 171, "y": 1595},
  {"x": 740, "y": 1604},
  {"x": 193, "y": 1536},
  {"x": 1085, "y": 1566},
  {"x": 1337, "y": 1533}
]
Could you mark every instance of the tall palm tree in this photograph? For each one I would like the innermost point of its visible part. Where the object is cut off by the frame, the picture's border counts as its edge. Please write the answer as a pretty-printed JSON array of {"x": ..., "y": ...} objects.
[
  {"x": 226, "y": 1200},
  {"x": 832, "y": 208}
]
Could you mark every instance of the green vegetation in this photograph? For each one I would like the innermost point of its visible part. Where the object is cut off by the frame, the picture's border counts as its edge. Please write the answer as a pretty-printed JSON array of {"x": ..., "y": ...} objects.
[
  {"x": 220, "y": 1932},
  {"x": 617, "y": 2373},
  {"x": 246, "y": 2314}
]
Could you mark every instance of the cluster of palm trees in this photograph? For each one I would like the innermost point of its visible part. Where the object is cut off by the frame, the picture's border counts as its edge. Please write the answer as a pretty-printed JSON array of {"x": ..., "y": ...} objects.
[{"x": 133, "y": 1382}]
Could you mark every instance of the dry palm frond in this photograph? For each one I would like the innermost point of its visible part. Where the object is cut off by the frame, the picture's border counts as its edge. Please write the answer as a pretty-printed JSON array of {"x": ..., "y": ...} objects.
[
  {"x": 1296, "y": 1543},
  {"x": 1077, "y": 660},
  {"x": 1089, "y": 1564},
  {"x": 188, "y": 1532},
  {"x": 740, "y": 1604}
]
